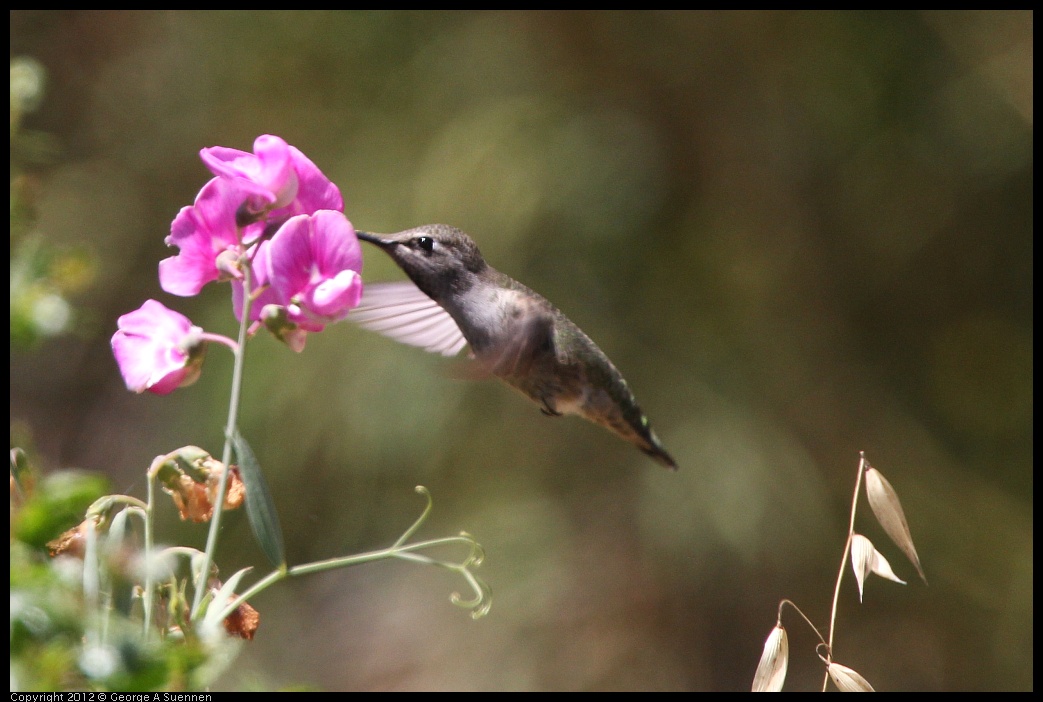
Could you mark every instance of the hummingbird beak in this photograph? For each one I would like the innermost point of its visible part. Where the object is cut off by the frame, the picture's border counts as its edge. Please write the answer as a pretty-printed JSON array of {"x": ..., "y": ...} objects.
[{"x": 375, "y": 239}]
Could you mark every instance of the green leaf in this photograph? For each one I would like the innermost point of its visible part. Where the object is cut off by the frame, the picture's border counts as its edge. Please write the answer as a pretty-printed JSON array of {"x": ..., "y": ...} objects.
[
  {"x": 260, "y": 508},
  {"x": 57, "y": 504},
  {"x": 212, "y": 620}
]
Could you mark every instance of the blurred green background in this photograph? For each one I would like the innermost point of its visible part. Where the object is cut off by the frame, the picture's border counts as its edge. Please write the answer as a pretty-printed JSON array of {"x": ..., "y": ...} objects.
[{"x": 799, "y": 236}]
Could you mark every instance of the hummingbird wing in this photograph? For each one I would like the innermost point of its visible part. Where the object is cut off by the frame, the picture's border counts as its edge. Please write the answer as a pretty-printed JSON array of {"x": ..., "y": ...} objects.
[
  {"x": 401, "y": 311},
  {"x": 531, "y": 337}
]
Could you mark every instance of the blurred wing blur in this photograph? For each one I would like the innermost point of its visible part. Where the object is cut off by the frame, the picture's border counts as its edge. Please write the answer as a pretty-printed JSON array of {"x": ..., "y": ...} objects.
[{"x": 402, "y": 312}]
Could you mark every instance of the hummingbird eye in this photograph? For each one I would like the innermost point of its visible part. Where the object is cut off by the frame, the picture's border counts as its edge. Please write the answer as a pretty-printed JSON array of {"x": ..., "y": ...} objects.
[{"x": 426, "y": 243}]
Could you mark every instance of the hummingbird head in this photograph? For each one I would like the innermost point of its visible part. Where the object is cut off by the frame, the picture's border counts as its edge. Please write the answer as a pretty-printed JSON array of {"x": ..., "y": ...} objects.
[{"x": 438, "y": 258}]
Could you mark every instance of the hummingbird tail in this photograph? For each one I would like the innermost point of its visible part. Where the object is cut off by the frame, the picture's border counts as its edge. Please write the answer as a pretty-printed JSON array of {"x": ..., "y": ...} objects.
[{"x": 659, "y": 454}]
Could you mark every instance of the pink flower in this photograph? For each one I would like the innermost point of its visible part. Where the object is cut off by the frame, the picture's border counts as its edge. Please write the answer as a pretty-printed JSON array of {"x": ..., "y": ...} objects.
[
  {"x": 202, "y": 232},
  {"x": 314, "y": 190},
  {"x": 251, "y": 197},
  {"x": 314, "y": 264},
  {"x": 266, "y": 174},
  {"x": 277, "y": 178},
  {"x": 157, "y": 349}
]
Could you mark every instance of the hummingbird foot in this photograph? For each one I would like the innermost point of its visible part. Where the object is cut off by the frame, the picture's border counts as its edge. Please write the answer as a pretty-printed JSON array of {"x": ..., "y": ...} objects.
[{"x": 548, "y": 410}]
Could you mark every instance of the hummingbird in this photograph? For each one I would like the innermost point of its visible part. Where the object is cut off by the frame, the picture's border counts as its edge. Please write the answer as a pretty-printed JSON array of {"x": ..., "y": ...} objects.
[{"x": 454, "y": 298}]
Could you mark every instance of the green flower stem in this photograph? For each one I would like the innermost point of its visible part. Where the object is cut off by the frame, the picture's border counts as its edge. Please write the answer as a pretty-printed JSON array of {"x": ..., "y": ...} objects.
[
  {"x": 405, "y": 552},
  {"x": 419, "y": 520},
  {"x": 149, "y": 545},
  {"x": 187, "y": 551},
  {"x": 479, "y": 604},
  {"x": 221, "y": 339},
  {"x": 142, "y": 511},
  {"x": 91, "y": 584},
  {"x": 104, "y": 505},
  {"x": 226, "y": 455}
]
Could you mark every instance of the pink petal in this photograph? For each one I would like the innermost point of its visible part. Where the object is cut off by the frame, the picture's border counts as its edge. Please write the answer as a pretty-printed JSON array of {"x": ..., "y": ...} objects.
[
  {"x": 335, "y": 297},
  {"x": 291, "y": 260},
  {"x": 314, "y": 264},
  {"x": 335, "y": 245},
  {"x": 314, "y": 191},
  {"x": 275, "y": 169},
  {"x": 150, "y": 347},
  {"x": 267, "y": 174},
  {"x": 201, "y": 232}
]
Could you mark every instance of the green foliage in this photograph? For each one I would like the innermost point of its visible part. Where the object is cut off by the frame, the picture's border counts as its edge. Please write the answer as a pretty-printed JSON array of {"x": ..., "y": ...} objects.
[
  {"x": 260, "y": 507},
  {"x": 58, "y": 504},
  {"x": 60, "y": 639},
  {"x": 42, "y": 275}
]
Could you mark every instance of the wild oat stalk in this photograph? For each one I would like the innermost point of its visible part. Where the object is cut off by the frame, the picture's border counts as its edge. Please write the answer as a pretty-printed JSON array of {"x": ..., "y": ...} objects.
[{"x": 865, "y": 560}]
